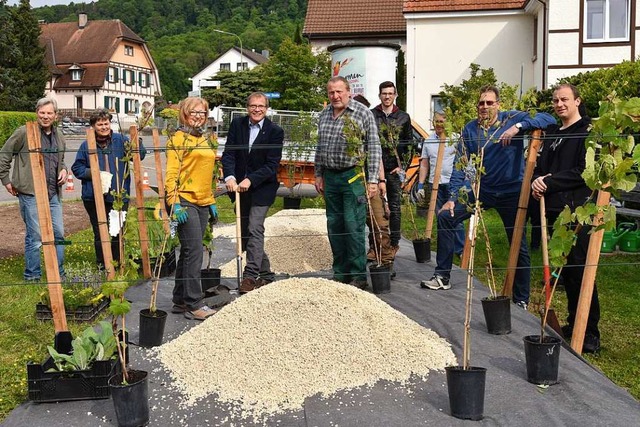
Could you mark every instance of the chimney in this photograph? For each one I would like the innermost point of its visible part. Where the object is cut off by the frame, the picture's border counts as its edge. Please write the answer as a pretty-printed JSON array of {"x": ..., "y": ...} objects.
[
  {"x": 82, "y": 20},
  {"x": 265, "y": 53}
]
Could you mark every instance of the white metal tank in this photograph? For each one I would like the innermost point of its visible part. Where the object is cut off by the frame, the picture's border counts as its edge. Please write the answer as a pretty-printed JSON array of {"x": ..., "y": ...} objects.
[{"x": 365, "y": 66}]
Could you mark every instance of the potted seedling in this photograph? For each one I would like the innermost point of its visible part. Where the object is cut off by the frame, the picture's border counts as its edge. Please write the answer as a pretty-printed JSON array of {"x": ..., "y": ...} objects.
[
  {"x": 209, "y": 277},
  {"x": 129, "y": 389},
  {"x": 611, "y": 166},
  {"x": 354, "y": 135}
]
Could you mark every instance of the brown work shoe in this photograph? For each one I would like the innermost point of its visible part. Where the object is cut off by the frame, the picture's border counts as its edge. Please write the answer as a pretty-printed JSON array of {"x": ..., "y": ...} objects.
[
  {"x": 200, "y": 314},
  {"x": 260, "y": 282},
  {"x": 247, "y": 285}
]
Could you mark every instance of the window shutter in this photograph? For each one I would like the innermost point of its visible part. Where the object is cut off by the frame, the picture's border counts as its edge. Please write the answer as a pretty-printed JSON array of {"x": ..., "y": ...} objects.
[
  {"x": 106, "y": 102},
  {"x": 118, "y": 105},
  {"x": 116, "y": 72}
]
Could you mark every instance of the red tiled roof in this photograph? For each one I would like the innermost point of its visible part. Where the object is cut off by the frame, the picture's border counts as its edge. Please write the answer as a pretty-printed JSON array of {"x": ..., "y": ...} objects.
[
  {"x": 67, "y": 44},
  {"x": 461, "y": 5},
  {"x": 326, "y": 17},
  {"x": 93, "y": 77}
]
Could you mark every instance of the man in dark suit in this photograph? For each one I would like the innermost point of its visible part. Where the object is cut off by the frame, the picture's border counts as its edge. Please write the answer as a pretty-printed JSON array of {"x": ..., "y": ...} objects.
[{"x": 250, "y": 164}]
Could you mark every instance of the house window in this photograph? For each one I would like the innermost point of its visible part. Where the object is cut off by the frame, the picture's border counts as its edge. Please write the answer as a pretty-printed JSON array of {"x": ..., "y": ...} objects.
[
  {"x": 226, "y": 66},
  {"x": 112, "y": 75},
  {"x": 76, "y": 75},
  {"x": 607, "y": 20},
  {"x": 128, "y": 77},
  {"x": 112, "y": 103},
  {"x": 131, "y": 106},
  {"x": 143, "y": 79},
  {"x": 128, "y": 50},
  {"x": 436, "y": 106},
  {"x": 242, "y": 66}
]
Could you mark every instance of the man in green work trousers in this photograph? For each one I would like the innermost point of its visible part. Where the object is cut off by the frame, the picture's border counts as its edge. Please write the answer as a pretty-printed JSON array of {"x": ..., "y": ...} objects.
[{"x": 336, "y": 178}]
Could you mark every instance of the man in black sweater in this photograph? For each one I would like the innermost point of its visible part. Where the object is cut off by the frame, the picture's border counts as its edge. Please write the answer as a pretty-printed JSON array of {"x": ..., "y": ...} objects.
[{"x": 558, "y": 177}]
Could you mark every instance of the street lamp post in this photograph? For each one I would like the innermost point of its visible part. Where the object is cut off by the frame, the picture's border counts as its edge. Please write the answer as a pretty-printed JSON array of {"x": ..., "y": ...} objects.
[{"x": 239, "y": 39}]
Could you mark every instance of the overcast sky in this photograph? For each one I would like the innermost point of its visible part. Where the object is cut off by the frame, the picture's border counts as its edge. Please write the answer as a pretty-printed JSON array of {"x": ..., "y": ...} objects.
[{"x": 38, "y": 3}]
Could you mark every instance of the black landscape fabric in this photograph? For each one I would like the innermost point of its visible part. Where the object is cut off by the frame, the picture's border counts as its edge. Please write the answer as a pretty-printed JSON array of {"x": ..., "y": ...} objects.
[{"x": 584, "y": 396}]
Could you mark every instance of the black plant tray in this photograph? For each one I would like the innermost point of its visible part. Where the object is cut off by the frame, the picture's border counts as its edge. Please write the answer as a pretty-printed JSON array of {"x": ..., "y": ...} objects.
[
  {"x": 84, "y": 313},
  {"x": 73, "y": 385}
]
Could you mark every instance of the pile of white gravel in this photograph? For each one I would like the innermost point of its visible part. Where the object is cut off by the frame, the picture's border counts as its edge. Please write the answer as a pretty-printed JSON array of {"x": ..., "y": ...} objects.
[
  {"x": 295, "y": 240},
  {"x": 272, "y": 348}
]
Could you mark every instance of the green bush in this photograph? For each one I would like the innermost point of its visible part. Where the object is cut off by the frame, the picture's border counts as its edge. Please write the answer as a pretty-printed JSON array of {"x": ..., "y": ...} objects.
[{"x": 10, "y": 121}]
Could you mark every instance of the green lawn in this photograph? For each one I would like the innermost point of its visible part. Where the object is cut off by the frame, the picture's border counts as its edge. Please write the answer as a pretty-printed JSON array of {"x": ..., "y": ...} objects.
[{"x": 23, "y": 339}]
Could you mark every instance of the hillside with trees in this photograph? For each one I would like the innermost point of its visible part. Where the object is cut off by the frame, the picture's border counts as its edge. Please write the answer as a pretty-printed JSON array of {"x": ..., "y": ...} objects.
[{"x": 180, "y": 33}]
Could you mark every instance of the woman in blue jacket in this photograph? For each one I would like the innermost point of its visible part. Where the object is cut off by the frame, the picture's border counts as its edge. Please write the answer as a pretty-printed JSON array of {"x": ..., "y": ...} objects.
[{"x": 113, "y": 148}]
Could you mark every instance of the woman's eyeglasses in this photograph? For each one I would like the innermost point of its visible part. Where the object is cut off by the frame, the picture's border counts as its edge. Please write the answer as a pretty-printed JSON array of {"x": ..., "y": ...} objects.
[{"x": 195, "y": 113}]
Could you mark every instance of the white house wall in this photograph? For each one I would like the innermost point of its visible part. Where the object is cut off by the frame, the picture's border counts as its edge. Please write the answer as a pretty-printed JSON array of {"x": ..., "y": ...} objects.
[
  {"x": 440, "y": 51},
  {"x": 566, "y": 14},
  {"x": 609, "y": 55},
  {"x": 232, "y": 56},
  {"x": 564, "y": 48}
]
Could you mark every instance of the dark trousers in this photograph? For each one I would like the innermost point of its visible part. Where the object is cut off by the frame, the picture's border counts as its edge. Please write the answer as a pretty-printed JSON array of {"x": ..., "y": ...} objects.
[
  {"x": 572, "y": 274},
  {"x": 394, "y": 197},
  {"x": 187, "y": 289},
  {"x": 252, "y": 229},
  {"x": 346, "y": 205},
  {"x": 90, "y": 207},
  {"x": 507, "y": 206}
]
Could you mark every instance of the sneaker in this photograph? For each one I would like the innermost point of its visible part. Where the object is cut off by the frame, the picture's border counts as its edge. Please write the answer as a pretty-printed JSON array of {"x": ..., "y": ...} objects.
[
  {"x": 591, "y": 343},
  {"x": 393, "y": 273},
  {"x": 200, "y": 314},
  {"x": 179, "y": 308},
  {"x": 523, "y": 305},
  {"x": 359, "y": 283},
  {"x": 435, "y": 283},
  {"x": 247, "y": 285}
]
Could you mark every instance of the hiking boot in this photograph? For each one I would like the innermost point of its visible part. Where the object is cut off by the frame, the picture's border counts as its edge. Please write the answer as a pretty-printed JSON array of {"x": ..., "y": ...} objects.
[
  {"x": 359, "y": 283},
  {"x": 591, "y": 343},
  {"x": 247, "y": 285},
  {"x": 200, "y": 314},
  {"x": 179, "y": 308},
  {"x": 435, "y": 283}
]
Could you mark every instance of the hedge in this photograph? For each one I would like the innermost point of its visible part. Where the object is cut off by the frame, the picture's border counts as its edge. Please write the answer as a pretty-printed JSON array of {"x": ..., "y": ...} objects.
[{"x": 12, "y": 120}]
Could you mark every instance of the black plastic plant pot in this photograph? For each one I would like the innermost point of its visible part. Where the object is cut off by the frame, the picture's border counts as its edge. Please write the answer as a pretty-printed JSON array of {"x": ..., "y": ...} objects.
[
  {"x": 466, "y": 391},
  {"x": 422, "y": 249},
  {"x": 497, "y": 314},
  {"x": 151, "y": 327},
  {"x": 542, "y": 359},
  {"x": 291, "y": 202},
  {"x": 131, "y": 400},
  {"x": 210, "y": 279},
  {"x": 380, "y": 279}
]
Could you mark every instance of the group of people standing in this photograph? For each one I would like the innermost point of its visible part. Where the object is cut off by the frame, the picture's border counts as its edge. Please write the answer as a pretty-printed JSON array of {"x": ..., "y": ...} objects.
[{"x": 250, "y": 162}]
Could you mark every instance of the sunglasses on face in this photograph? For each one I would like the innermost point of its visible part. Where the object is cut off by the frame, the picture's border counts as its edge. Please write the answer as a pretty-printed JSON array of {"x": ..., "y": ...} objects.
[{"x": 486, "y": 103}]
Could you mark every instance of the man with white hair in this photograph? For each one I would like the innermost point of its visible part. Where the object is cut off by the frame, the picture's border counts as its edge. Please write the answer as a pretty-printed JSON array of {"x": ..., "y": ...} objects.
[{"x": 21, "y": 185}]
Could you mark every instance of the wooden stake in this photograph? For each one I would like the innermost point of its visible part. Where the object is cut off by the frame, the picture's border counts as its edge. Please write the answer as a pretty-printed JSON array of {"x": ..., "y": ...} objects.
[
  {"x": 521, "y": 215},
  {"x": 94, "y": 168},
  {"x": 160, "y": 180},
  {"x": 589, "y": 278},
  {"x": 46, "y": 228},
  {"x": 144, "y": 235},
  {"x": 434, "y": 189}
]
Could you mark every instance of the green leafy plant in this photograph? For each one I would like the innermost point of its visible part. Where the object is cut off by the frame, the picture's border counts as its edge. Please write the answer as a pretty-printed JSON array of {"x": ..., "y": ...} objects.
[
  {"x": 304, "y": 137},
  {"x": 82, "y": 286},
  {"x": 88, "y": 347},
  {"x": 118, "y": 308},
  {"x": 611, "y": 165}
]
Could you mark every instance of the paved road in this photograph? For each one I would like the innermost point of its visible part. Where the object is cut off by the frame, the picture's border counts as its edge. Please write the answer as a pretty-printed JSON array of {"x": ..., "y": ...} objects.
[{"x": 73, "y": 143}]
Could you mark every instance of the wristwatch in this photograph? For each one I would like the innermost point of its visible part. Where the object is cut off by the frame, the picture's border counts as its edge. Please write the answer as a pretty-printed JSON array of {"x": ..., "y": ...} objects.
[
  {"x": 382, "y": 180},
  {"x": 518, "y": 125}
]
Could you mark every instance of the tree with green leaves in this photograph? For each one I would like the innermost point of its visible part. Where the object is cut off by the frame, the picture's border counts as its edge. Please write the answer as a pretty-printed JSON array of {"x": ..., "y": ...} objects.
[
  {"x": 298, "y": 75},
  {"x": 235, "y": 87},
  {"x": 401, "y": 81}
]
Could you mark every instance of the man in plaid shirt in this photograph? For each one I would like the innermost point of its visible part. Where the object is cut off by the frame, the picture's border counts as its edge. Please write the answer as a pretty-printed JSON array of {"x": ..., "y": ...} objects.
[{"x": 337, "y": 180}]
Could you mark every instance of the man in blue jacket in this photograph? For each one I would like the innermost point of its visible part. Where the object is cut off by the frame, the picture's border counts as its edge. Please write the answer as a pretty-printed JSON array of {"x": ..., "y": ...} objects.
[
  {"x": 114, "y": 155},
  {"x": 500, "y": 186},
  {"x": 250, "y": 164}
]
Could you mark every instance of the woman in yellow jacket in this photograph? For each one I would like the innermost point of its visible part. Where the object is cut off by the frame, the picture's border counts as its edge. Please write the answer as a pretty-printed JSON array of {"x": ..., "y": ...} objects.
[{"x": 191, "y": 159}]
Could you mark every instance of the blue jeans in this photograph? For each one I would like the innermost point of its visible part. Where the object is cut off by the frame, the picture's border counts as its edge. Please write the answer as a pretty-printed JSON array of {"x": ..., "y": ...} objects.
[
  {"x": 507, "y": 206},
  {"x": 32, "y": 238},
  {"x": 459, "y": 232}
]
